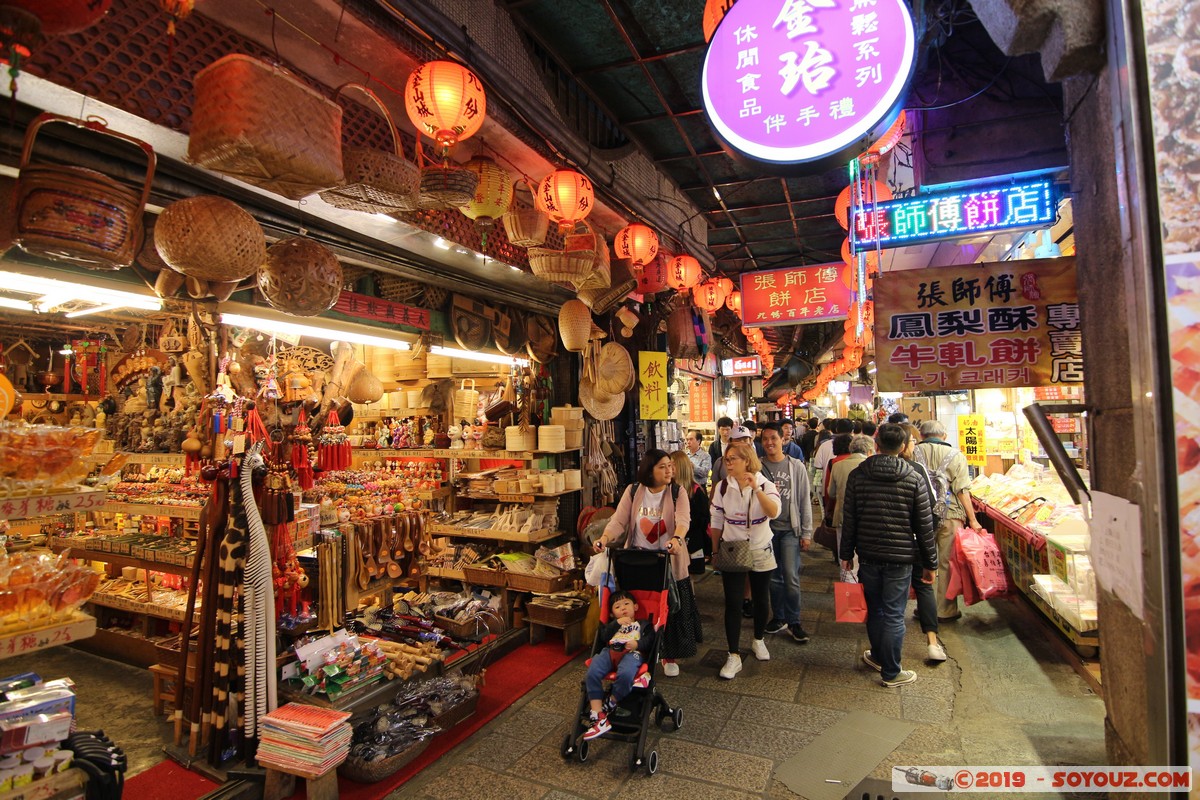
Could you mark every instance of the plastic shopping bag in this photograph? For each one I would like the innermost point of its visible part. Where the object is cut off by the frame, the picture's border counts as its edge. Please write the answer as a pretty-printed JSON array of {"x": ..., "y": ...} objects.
[
  {"x": 962, "y": 581},
  {"x": 596, "y": 569},
  {"x": 850, "y": 602},
  {"x": 982, "y": 556}
]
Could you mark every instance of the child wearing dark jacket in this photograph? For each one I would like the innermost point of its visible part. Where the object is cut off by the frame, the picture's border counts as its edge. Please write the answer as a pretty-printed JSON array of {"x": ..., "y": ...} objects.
[{"x": 630, "y": 643}]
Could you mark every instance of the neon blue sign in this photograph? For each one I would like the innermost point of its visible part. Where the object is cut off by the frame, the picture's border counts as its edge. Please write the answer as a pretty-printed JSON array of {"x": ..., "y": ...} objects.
[{"x": 932, "y": 217}]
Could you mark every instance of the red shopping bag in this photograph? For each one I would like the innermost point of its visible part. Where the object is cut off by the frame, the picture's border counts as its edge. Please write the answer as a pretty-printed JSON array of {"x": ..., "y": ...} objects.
[
  {"x": 850, "y": 602},
  {"x": 982, "y": 556},
  {"x": 962, "y": 581}
]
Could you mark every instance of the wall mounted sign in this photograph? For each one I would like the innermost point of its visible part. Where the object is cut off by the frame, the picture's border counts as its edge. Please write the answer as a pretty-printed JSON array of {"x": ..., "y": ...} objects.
[
  {"x": 796, "y": 295},
  {"x": 801, "y": 81},
  {"x": 652, "y": 385},
  {"x": 743, "y": 367},
  {"x": 928, "y": 218},
  {"x": 361, "y": 306},
  {"x": 1000, "y": 325},
  {"x": 700, "y": 401},
  {"x": 972, "y": 440}
]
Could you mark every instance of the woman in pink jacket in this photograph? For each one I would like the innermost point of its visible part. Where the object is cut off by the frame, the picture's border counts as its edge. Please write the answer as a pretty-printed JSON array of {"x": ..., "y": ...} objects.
[{"x": 655, "y": 514}]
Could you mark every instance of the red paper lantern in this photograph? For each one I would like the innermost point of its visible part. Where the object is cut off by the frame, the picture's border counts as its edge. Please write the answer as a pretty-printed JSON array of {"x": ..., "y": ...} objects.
[
  {"x": 652, "y": 278},
  {"x": 636, "y": 243},
  {"x": 734, "y": 302},
  {"x": 884, "y": 144},
  {"x": 566, "y": 197},
  {"x": 726, "y": 287},
  {"x": 63, "y": 16},
  {"x": 683, "y": 272},
  {"x": 445, "y": 101},
  {"x": 874, "y": 192},
  {"x": 850, "y": 259},
  {"x": 708, "y": 296},
  {"x": 714, "y": 12}
]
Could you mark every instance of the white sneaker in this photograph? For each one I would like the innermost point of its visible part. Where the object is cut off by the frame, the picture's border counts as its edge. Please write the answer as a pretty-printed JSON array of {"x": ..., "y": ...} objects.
[
  {"x": 670, "y": 669},
  {"x": 733, "y": 665},
  {"x": 760, "y": 650},
  {"x": 937, "y": 652}
]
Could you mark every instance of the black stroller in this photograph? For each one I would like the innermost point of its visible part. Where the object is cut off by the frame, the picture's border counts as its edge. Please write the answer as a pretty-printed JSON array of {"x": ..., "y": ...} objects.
[{"x": 644, "y": 574}]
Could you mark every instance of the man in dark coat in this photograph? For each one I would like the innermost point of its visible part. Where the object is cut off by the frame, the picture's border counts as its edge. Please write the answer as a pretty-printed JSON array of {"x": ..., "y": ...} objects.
[{"x": 888, "y": 521}]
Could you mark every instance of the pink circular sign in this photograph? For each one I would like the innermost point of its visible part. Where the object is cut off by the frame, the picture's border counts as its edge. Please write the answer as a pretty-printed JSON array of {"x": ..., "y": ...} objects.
[{"x": 789, "y": 81}]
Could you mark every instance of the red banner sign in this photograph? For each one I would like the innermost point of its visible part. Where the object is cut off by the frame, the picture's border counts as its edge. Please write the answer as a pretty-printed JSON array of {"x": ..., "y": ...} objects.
[
  {"x": 700, "y": 401},
  {"x": 796, "y": 295},
  {"x": 363, "y": 307}
]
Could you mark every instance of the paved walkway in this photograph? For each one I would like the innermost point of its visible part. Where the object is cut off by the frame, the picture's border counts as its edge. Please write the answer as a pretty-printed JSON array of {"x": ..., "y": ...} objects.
[{"x": 1004, "y": 697}]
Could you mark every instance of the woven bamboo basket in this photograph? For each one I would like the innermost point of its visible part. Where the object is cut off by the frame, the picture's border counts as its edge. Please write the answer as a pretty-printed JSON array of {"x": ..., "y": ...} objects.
[
  {"x": 537, "y": 583},
  {"x": 456, "y": 713},
  {"x": 574, "y": 325},
  {"x": 585, "y": 240},
  {"x": 300, "y": 277},
  {"x": 556, "y": 266},
  {"x": 75, "y": 214},
  {"x": 377, "y": 182},
  {"x": 482, "y": 576},
  {"x": 518, "y": 441},
  {"x": 681, "y": 333},
  {"x": 471, "y": 629},
  {"x": 434, "y": 297},
  {"x": 554, "y": 617},
  {"x": 397, "y": 289},
  {"x": 258, "y": 123},
  {"x": 466, "y": 401},
  {"x": 525, "y": 226},
  {"x": 210, "y": 238},
  {"x": 374, "y": 771},
  {"x": 447, "y": 186}
]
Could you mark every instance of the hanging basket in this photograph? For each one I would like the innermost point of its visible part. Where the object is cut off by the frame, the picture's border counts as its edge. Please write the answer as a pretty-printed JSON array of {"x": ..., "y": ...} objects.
[
  {"x": 209, "y": 238},
  {"x": 300, "y": 277},
  {"x": 466, "y": 402},
  {"x": 377, "y": 182},
  {"x": 574, "y": 325},
  {"x": 525, "y": 226},
  {"x": 621, "y": 283},
  {"x": 258, "y": 123},
  {"x": 79, "y": 215},
  {"x": 447, "y": 186},
  {"x": 681, "y": 333},
  {"x": 397, "y": 289},
  {"x": 556, "y": 266}
]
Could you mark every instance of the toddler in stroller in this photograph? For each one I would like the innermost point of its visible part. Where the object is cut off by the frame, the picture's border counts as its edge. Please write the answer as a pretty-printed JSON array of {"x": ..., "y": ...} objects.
[{"x": 625, "y": 652}]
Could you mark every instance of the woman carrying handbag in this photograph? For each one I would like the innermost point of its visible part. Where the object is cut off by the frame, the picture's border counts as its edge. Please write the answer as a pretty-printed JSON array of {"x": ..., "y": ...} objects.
[
  {"x": 743, "y": 505},
  {"x": 654, "y": 514}
]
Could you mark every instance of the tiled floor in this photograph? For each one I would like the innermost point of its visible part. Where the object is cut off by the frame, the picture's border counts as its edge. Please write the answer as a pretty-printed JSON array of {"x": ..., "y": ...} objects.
[{"x": 1004, "y": 697}]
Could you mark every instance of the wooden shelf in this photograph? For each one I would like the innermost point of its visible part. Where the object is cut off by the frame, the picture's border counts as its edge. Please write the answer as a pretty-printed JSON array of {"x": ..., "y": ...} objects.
[
  {"x": 134, "y": 607},
  {"x": 446, "y": 572},
  {"x": 153, "y": 459},
  {"x": 514, "y": 498},
  {"x": 63, "y": 501},
  {"x": 149, "y": 510},
  {"x": 466, "y": 455},
  {"x": 118, "y": 560},
  {"x": 16, "y": 643},
  {"x": 501, "y": 536}
]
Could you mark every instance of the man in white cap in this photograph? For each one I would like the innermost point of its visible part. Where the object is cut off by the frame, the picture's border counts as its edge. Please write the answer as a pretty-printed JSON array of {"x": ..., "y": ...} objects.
[{"x": 738, "y": 433}]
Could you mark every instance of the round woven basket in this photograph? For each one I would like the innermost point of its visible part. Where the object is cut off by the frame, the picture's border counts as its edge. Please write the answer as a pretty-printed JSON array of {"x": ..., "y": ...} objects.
[
  {"x": 447, "y": 186},
  {"x": 614, "y": 369},
  {"x": 574, "y": 325},
  {"x": 209, "y": 238},
  {"x": 300, "y": 276},
  {"x": 599, "y": 404},
  {"x": 556, "y": 266},
  {"x": 526, "y": 226},
  {"x": 377, "y": 182}
]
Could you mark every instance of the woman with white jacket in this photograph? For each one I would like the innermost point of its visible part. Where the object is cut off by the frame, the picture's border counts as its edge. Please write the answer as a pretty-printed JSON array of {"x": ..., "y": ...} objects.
[{"x": 743, "y": 505}]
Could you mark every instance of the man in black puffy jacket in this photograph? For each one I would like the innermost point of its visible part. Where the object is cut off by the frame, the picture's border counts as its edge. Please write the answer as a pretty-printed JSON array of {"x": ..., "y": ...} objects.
[{"x": 888, "y": 521}]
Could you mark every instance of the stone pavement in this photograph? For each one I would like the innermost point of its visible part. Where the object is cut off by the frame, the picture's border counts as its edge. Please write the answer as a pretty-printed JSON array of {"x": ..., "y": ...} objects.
[{"x": 1004, "y": 697}]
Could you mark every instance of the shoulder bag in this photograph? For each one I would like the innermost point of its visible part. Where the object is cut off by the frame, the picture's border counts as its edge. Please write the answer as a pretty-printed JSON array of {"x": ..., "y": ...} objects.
[{"x": 732, "y": 556}]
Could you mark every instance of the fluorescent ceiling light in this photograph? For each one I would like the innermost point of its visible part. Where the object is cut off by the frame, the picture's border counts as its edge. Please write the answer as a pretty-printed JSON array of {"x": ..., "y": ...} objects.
[
  {"x": 331, "y": 333},
  {"x": 22, "y": 305},
  {"x": 441, "y": 243},
  {"x": 489, "y": 358},
  {"x": 97, "y": 310},
  {"x": 57, "y": 292}
]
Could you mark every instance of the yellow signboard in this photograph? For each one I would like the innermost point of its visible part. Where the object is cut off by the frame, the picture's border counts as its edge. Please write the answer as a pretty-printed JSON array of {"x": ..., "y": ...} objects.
[
  {"x": 1013, "y": 323},
  {"x": 971, "y": 439},
  {"x": 652, "y": 385}
]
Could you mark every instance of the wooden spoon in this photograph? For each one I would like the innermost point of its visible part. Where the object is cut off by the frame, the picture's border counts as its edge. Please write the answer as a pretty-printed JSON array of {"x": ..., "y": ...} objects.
[
  {"x": 364, "y": 577},
  {"x": 426, "y": 545},
  {"x": 397, "y": 548},
  {"x": 409, "y": 533},
  {"x": 369, "y": 549},
  {"x": 383, "y": 558},
  {"x": 394, "y": 569}
]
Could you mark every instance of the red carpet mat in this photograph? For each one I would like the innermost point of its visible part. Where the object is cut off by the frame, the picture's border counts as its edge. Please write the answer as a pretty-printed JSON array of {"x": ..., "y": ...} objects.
[{"x": 508, "y": 679}]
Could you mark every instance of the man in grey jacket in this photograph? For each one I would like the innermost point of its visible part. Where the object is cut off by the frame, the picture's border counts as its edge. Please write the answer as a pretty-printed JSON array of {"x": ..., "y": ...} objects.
[{"x": 792, "y": 531}]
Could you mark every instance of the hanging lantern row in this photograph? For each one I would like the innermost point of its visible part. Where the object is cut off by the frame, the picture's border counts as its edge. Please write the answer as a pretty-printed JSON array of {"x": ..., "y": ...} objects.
[
  {"x": 651, "y": 278},
  {"x": 711, "y": 294},
  {"x": 734, "y": 302},
  {"x": 566, "y": 197},
  {"x": 637, "y": 244},
  {"x": 445, "y": 101},
  {"x": 683, "y": 273}
]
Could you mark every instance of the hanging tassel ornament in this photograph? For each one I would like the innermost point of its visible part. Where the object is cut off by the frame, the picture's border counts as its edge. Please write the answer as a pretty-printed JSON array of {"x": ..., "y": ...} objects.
[
  {"x": 301, "y": 461},
  {"x": 179, "y": 10},
  {"x": 333, "y": 451}
]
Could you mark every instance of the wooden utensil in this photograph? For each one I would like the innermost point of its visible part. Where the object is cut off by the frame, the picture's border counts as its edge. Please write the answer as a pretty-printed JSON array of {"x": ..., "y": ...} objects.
[
  {"x": 382, "y": 557},
  {"x": 394, "y": 568}
]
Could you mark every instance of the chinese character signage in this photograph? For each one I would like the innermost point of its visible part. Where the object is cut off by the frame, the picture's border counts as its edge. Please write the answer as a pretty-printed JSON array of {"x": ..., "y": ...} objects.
[
  {"x": 971, "y": 439},
  {"x": 360, "y": 306},
  {"x": 928, "y": 218},
  {"x": 741, "y": 367},
  {"x": 788, "y": 81},
  {"x": 652, "y": 385},
  {"x": 1000, "y": 325},
  {"x": 700, "y": 401},
  {"x": 796, "y": 295}
]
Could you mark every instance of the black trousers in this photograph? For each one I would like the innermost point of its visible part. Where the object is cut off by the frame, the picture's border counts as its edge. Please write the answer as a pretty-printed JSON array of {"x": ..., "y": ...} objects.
[{"x": 760, "y": 596}]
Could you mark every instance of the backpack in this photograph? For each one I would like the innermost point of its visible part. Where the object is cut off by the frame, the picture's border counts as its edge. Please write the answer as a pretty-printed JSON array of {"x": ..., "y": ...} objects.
[{"x": 941, "y": 483}]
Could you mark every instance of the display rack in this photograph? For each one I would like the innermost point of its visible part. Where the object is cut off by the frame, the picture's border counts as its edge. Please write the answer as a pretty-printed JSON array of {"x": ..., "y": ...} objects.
[
  {"x": 532, "y": 537},
  {"x": 64, "y": 501},
  {"x": 191, "y": 513},
  {"x": 18, "y": 643}
]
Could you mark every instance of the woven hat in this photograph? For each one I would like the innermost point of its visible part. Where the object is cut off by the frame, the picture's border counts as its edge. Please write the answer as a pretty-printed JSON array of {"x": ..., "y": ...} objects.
[
  {"x": 600, "y": 405},
  {"x": 614, "y": 370}
]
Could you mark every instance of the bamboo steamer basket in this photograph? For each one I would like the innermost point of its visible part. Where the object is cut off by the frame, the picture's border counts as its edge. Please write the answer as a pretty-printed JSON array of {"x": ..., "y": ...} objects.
[
  {"x": 574, "y": 325},
  {"x": 209, "y": 238},
  {"x": 552, "y": 438},
  {"x": 300, "y": 277},
  {"x": 525, "y": 226},
  {"x": 447, "y": 186},
  {"x": 517, "y": 441}
]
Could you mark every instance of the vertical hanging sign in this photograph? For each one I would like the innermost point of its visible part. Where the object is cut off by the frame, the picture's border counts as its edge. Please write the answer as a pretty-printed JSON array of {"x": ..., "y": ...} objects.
[
  {"x": 971, "y": 439},
  {"x": 652, "y": 385}
]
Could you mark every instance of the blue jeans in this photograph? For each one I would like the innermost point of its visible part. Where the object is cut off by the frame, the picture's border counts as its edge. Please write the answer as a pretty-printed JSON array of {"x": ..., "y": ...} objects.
[
  {"x": 785, "y": 578},
  {"x": 602, "y": 665},
  {"x": 886, "y": 588},
  {"x": 926, "y": 602}
]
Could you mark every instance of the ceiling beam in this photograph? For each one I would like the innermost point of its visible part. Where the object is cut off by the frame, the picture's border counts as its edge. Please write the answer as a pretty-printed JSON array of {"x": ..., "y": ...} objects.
[
  {"x": 691, "y": 112},
  {"x": 631, "y": 62},
  {"x": 759, "y": 207}
]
